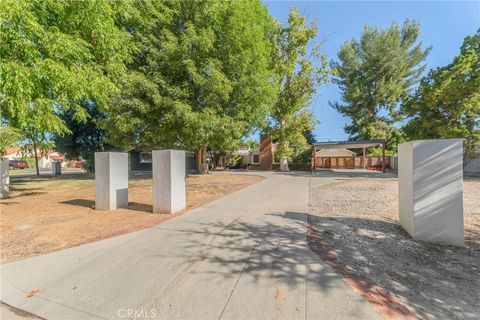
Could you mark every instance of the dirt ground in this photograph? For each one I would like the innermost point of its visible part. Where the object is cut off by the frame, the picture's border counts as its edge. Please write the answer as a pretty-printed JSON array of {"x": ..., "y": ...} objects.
[
  {"x": 46, "y": 214},
  {"x": 358, "y": 217}
]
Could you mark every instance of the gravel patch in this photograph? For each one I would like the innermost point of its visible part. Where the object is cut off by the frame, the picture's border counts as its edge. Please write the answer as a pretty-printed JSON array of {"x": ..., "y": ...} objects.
[{"x": 359, "y": 217}]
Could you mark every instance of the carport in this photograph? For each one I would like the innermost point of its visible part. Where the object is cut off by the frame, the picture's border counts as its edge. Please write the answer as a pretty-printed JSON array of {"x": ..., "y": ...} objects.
[{"x": 348, "y": 145}]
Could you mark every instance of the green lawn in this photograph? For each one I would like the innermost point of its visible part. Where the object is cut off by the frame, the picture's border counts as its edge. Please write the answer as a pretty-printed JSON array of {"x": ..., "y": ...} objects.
[{"x": 18, "y": 171}]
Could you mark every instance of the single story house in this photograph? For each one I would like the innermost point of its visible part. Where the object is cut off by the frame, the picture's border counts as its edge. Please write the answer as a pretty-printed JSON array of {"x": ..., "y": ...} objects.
[
  {"x": 13, "y": 154},
  {"x": 142, "y": 161},
  {"x": 46, "y": 160}
]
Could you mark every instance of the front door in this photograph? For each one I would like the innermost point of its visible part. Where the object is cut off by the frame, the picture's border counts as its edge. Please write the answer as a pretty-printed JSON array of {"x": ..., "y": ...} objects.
[{"x": 326, "y": 162}]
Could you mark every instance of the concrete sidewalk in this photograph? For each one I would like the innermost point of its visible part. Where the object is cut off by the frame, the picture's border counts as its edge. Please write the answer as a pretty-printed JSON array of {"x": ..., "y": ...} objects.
[{"x": 244, "y": 256}]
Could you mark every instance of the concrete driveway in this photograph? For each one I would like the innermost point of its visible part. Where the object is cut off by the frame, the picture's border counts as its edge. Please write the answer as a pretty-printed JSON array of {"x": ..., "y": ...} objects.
[{"x": 244, "y": 256}]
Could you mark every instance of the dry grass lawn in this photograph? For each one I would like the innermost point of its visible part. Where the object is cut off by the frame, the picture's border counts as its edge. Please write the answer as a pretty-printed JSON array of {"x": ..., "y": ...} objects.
[{"x": 46, "y": 214}]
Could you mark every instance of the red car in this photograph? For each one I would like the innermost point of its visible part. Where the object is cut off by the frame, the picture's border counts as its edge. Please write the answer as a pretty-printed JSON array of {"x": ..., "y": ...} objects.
[{"x": 18, "y": 164}]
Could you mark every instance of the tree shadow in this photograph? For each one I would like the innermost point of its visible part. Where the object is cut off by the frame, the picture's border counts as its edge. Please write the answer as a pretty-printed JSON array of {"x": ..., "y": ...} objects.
[
  {"x": 142, "y": 207},
  {"x": 135, "y": 206},
  {"x": 24, "y": 193},
  {"x": 329, "y": 173},
  {"x": 80, "y": 203},
  {"x": 439, "y": 281},
  {"x": 272, "y": 249}
]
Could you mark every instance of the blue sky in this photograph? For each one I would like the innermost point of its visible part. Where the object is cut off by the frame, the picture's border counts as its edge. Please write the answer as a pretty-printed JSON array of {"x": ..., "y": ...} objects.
[{"x": 443, "y": 25}]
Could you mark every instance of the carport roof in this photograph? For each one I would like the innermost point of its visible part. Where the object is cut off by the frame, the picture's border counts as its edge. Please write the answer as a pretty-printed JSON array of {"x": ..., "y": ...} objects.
[{"x": 348, "y": 144}]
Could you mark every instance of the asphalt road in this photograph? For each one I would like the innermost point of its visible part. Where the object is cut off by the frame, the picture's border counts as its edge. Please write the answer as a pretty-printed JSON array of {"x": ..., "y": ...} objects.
[{"x": 244, "y": 256}]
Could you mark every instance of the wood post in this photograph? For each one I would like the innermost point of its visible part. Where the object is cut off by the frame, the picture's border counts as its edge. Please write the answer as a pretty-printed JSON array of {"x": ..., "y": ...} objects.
[
  {"x": 383, "y": 157},
  {"x": 363, "y": 159},
  {"x": 314, "y": 165}
]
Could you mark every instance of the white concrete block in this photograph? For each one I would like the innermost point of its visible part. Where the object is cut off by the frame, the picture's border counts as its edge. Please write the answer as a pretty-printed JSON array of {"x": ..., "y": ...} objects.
[
  {"x": 4, "y": 178},
  {"x": 111, "y": 180},
  {"x": 56, "y": 168},
  {"x": 168, "y": 173},
  {"x": 430, "y": 182}
]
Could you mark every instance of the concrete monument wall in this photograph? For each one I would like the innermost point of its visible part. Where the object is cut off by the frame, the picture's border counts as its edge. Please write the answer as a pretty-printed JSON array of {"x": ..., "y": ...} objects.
[
  {"x": 4, "y": 178},
  {"x": 168, "y": 174},
  {"x": 430, "y": 181},
  {"x": 111, "y": 180}
]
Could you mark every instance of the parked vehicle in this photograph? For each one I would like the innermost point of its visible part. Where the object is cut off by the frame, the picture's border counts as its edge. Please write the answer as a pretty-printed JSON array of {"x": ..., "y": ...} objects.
[
  {"x": 18, "y": 164},
  {"x": 79, "y": 164}
]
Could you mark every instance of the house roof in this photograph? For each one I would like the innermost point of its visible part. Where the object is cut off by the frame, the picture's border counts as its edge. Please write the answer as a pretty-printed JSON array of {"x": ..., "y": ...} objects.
[
  {"x": 12, "y": 151},
  {"x": 57, "y": 158},
  {"x": 243, "y": 152},
  {"x": 334, "y": 153},
  {"x": 348, "y": 144}
]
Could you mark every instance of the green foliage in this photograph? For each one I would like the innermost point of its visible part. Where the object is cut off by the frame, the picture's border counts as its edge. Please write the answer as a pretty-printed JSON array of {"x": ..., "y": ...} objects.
[
  {"x": 234, "y": 160},
  {"x": 31, "y": 161},
  {"x": 375, "y": 74},
  {"x": 85, "y": 137},
  {"x": 379, "y": 152},
  {"x": 251, "y": 143},
  {"x": 8, "y": 137},
  {"x": 296, "y": 76},
  {"x": 447, "y": 102},
  {"x": 55, "y": 55},
  {"x": 303, "y": 153},
  {"x": 200, "y": 76},
  {"x": 309, "y": 136}
]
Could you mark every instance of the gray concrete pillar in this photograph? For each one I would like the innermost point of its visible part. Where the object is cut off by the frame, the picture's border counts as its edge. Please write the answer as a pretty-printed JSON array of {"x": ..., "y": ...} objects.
[
  {"x": 168, "y": 173},
  {"x": 111, "y": 180},
  {"x": 56, "y": 168},
  {"x": 4, "y": 178},
  {"x": 430, "y": 182}
]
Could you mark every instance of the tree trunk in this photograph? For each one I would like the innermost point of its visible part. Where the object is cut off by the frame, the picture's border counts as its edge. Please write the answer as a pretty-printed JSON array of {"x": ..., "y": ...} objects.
[
  {"x": 35, "y": 156},
  {"x": 284, "y": 164},
  {"x": 201, "y": 159}
]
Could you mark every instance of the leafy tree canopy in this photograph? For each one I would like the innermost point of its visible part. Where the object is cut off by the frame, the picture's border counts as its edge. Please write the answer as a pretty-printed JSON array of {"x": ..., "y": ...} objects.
[
  {"x": 54, "y": 55},
  {"x": 85, "y": 137},
  {"x": 298, "y": 70},
  {"x": 201, "y": 75},
  {"x": 447, "y": 102},
  {"x": 375, "y": 74},
  {"x": 8, "y": 137}
]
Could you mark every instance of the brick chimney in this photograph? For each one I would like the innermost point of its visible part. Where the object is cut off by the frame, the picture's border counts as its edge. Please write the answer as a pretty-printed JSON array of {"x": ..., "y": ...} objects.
[{"x": 266, "y": 152}]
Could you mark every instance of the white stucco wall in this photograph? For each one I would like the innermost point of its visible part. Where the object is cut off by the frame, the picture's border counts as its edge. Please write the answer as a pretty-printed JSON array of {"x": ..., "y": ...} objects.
[
  {"x": 431, "y": 190},
  {"x": 168, "y": 174},
  {"x": 111, "y": 180},
  {"x": 4, "y": 178}
]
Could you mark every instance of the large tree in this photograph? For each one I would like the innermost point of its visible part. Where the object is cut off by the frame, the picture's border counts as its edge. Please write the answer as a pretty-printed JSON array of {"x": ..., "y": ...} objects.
[
  {"x": 85, "y": 138},
  {"x": 8, "y": 137},
  {"x": 200, "y": 77},
  {"x": 375, "y": 74},
  {"x": 54, "y": 55},
  {"x": 298, "y": 70},
  {"x": 447, "y": 102}
]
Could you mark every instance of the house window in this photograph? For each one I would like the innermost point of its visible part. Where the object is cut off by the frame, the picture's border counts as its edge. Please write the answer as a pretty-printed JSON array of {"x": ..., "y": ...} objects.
[
  {"x": 256, "y": 159},
  {"x": 145, "y": 157}
]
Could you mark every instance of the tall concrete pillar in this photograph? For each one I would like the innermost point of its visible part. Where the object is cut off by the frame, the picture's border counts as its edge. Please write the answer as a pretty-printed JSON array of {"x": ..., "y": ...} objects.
[
  {"x": 111, "y": 180},
  {"x": 4, "y": 178},
  {"x": 430, "y": 182},
  {"x": 168, "y": 173}
]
